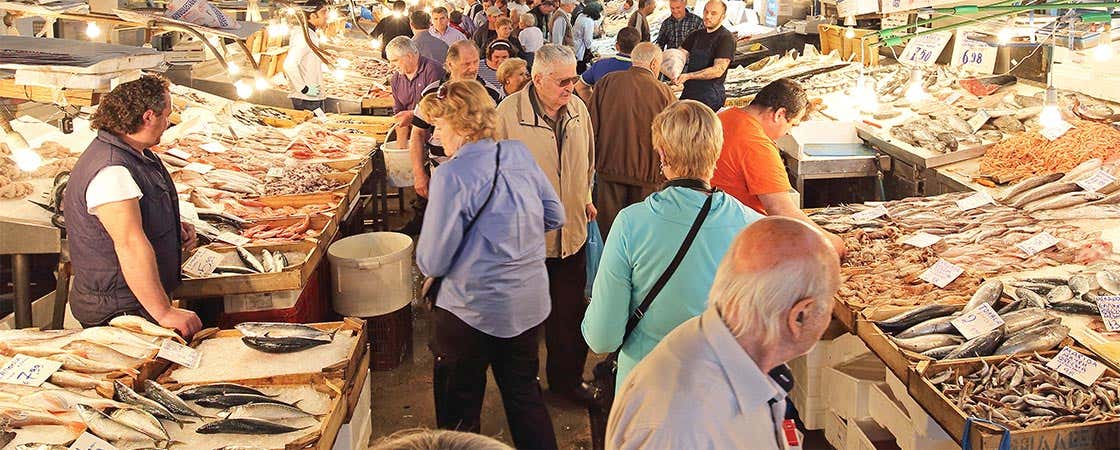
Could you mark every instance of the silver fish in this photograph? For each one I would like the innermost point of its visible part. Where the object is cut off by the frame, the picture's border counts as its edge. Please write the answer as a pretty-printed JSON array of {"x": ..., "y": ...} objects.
[
  {"x": 168, "y": 399},
  {"x": 122, "y": 393},
  {"x": 250, "y": 260},
  {"x": 281, "y": 344},
  {"x": 1031, "y": 298},
  {"x": 1028, "y": 184},
  {"x": 1109, "y": 281},
  {"x": 940, "y": 325},
  {"x": 1037, "y": 339},
  {"x": 246, "y": 426},
  {"x": 281, "y": 261},
  {"x": 914, "y": 316},
  {"x": 265, "y": 411},
  {"x": 141, "y": 421},
  {"x": 988, "y": 292},
  {"x": 1064, "y": 201},
  {"x": 208, "y": 390},
  {"x": 267, "y": 262},
  {"x": 109, "y": 429},
  {"x": 1059, "y": 294},
  {"x": 982, "y": 345},
  {"x": 1083, "y": 169},
  {"x": 1044, "y": 191},
  {"x": 940, "y": 352},
  {"x": 1076, "y": 307},
  {"x": 280, "y": 330},
  {"x": 927, "y": 342},
  {"x": 1022, "y": 319},
  {"x": 1080, "y": 284}
]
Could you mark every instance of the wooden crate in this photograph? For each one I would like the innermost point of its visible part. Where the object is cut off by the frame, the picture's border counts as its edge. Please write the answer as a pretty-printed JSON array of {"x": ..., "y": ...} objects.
[
  {"x": 272, "y": 61},
  {"x": 294, "y": 277},
  {"x": 76, "y": 97},
  {"x": 832, "y": 38}
]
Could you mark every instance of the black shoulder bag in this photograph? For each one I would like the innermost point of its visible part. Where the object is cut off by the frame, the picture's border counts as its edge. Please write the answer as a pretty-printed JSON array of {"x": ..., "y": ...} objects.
[{"x": 430, "y": 289}]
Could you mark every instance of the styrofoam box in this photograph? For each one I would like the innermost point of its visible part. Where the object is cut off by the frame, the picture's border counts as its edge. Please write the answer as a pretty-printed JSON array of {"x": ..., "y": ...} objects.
[
  {"x": 922, "y": 423},
  {"x": 361, "y": 421},
  {"x": 261, "y": 301},
  {"x": 865, "y": 434},
  {"x": 849, "y": 383},
  {"x": 888, "y": 412},
  {"x": 811, "y": 409},
  {"x": 846, "y": 348},
  {"x": 835, "y": 430}
]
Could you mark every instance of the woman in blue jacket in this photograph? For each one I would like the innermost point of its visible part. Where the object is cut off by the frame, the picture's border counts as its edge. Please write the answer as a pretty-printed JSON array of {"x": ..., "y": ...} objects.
[{"x": 645, "y": 237}]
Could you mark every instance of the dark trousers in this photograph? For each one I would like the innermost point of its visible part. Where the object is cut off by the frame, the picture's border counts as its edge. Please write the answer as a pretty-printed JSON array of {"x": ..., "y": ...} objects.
[
  {"x": 462, "y": 355},
  {"x": 611, "y": 197},
  {"x": 567, "y": 351},
  {"x": 307, "y": 105}
]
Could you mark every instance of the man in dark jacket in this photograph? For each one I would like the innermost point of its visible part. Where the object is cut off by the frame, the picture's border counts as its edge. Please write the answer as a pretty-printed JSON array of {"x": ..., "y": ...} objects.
[{"x": 392, "y": 25}]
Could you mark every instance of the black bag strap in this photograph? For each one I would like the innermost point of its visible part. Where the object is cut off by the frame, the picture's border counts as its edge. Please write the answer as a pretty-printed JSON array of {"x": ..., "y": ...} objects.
[
  {"x": 470, "y": 225},
  {"x": 637, "y": 315}
]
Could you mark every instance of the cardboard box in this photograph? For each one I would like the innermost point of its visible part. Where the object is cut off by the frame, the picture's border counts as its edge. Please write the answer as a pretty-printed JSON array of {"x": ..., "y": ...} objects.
[
  {"x": 849, "y": 384},
  {"x": 836, "y": 430},
  {"x": 865, "y": 434}
]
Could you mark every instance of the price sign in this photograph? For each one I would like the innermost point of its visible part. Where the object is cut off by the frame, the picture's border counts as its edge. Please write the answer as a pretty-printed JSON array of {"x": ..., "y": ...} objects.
[
  {"x": 88, "y": 441},
  {"x": 203, "y": 262},
  {"x": 870, "y": 214},
  {"x": 1073, "y": 364},
  {"x": 974, "y": 201},
  {"x": 199, "y": 167},
  {"x": 922, "y": 239},
  {"x": 179, "y": 154},
  {"x": 1097, "y": 181},
  {"x": 925, "y": 49},
  {"x": 179, "y": 354},
  {"x": 213, "y": 147},
  {"x": 1037, "y": 243},
  {"x": 28, "y": 371},
  {"x": 978, "y": 322},
  {"x": 894, "y": 20},
  {"x": 979, "y": 119},
  {"x": 952, "y": 98},
  {"x": 187, "y": 210},
  {"x": 276, "y": 172},
  {"x": 233, "y": 238},
  {"x": 941, "y": 273},
  {"x": 973, "y": 55},
  {"x": 1110, "y": 311},
  {"x": 1055, "y": 131},
  {"x": 320, "y": 114}
]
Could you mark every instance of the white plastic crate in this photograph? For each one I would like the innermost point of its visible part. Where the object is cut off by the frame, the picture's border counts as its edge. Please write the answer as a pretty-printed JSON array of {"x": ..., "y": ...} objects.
[
  {"x": 865, "y": 434},
  {"x": 836, "y": 430},
  {"x": 849, "y": 384}
]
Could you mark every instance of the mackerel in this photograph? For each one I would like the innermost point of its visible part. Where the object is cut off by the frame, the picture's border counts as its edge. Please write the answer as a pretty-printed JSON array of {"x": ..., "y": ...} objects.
[
  {"x": 915, "y": 316},
  {"x": 208, "y": 390},
  {"x": 109, "y": 429},
  {"x": 168, "y": 399},
  {"x": 142, "y": 421},
  {"x": 265, "y": 411},
  {"x": 982, "y": 345},
  {"x": 122, "y": 393},
  {"x": 231, "y": 400},
  {"x": 282, "y": 330},
  {"x": 245, "y": 426}
]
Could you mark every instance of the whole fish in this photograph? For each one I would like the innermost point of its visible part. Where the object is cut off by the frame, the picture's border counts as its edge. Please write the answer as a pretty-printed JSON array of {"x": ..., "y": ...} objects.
[
  {"x": 234, "y": 269},
  {"x": 40, "y": 446},
  {"x": 280, "y": 261},
  {"x": 137, "y": 324},
  {"x": 1031, "y": 298},
  {"x": 280, "y": 330},
  {"x": 1110, "y": 199},
  {"x": 265, "y": 411},
  {"x": 68, "y": 379},
  {"x": 1039, "y": 339},
  {"x": 25, "y": 417},
  {"x": 141, "y": 421},
  {"x": 1064, "y": 201},
  {"x": 988, "y": 292},
  {"x": 1083, "y": 169},
  {"x": 77, "y": 363},
  {"x": 1022, "y": 319},
  {"x": 1076, "y": 307},
  {"x": 107, "y": 428},
  {"x": 1010, "y": 307},
  {"x": 245, "y": 426},
  {"x": 1028, "y": 184},
  {"x": 281, "y": 344},
  {"x": 982, "y": 345},
  {"x": 31, "y": 334},
  {"x": 1109, "y": 281},
  {"x": 209, "y": 390},
  {"x": 1044, "y": 191},
  {"x": 1059, "y": 294},
  {"x": 267, "y": 261},
  {"x": 231, "y": 400},
  {"x": 927, "y": 342},
  {"x": 939, "y": 325},
  {"x": 114, "y": 337},
  {"x": 168, "y": 399},
  {"x": 250, "y": 260},
  {"x": 940, "y": 352},
  {"x": 6, "y": 437},
  {"x": 103, "y": 354},
  {"x": 125, "y": 394},
  {"x": 61, "y": 400},
  {"x": 1080, "y": 284},
  {"x": 914, "y": 316}
]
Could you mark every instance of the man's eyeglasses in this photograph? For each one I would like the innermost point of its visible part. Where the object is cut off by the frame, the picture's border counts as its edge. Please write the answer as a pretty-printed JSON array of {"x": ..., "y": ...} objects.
[{"x": 565, "y": 82}]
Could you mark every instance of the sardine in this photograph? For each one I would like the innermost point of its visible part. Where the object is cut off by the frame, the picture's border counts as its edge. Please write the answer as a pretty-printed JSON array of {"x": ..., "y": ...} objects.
[
  {"x": 1044, "y": 191},
  {"x": 168, "y": 399},
  {"x": 982, "y": 345},
  {"x": 265, "y": 411},
  {"x": 927, "y": 342},
  {"x": 988, "y": 292},
  {"x": 1063, "y": 201},
  {"x": 141, "y": 421},
  {"x": 1109, "y": 281},
  {"x": 1059, "y": 294},
  {"x": 281, "y": 344},
  {"x": 1038, "y": 339},
  {"x": 915, "y": 316},
  {"x": 231, "y": 400},
  {"x": 1031, "y": 298},
  {"x": 282, "y": 330},
  {"x": 210, "y": 390},
  {"x": 245, "y": 426},
  {"x": 137, "y": 324},
  {"x": 122, "y": 393},
  {"x": 107, "y": 428},
  {"x": 1028, "y": 184},
  {"x": 939, "y": 325},
  {"x": 250, "y": 260}
]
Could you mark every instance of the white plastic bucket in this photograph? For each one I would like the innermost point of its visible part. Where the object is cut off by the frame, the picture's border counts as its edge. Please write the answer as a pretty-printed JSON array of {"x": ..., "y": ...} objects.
[
  {"x": 372, "y": 273},
  {"x": 398, "y": 164}
]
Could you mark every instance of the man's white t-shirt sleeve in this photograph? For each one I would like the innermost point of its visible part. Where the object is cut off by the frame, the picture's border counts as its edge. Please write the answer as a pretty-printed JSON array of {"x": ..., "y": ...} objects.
[{"x": 111, "y": 184}]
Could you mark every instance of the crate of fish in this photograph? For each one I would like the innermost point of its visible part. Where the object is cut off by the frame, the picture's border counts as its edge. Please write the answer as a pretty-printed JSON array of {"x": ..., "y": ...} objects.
[
  {"x": 1039, "y": 407},
  {"x": 248, "y": 268},
  {"x": 274, "y": 352}
]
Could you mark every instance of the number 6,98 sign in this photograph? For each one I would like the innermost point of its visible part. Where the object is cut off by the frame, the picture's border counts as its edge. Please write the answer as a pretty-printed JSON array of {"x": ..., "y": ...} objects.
[{"x": 972, "y": 55}]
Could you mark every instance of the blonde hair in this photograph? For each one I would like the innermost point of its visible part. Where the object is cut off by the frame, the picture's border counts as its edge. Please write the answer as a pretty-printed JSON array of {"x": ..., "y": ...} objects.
[
  {"x": 690, "y": 136},
  {"x": 425, "y": 439},
  {"x": 465, "y": 105},
  {"x": 510, "y": 67}
]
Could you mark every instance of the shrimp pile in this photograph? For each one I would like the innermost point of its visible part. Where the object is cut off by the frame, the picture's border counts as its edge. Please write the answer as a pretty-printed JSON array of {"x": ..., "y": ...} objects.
[{"x": 1030, "y": 153}]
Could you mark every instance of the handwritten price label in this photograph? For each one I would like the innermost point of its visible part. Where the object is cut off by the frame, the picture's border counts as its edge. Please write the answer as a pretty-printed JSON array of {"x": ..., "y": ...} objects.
[
  {"x": 978, "y": 120},
  {"x": 320, "y": 114},
  {"x": 868, "y": 215},
  {"x": 90, "y": 442},
  {"x": 1097, "y": 181},
  {"x": 973, "y": 55},
  {"x": 179, "y": 354},
  {"x": 187, "y": 210},
  {"x": 28, "y": 371},
  {"x": 894, "y": 20},
  {"x": 977, "y": 322},
  {"x": 199, "y": 167},
  {"x": 1073, "y": 364},
  {"x": 922, "y": 239},
  {"x": 1037, "y": 243},
  {"x": 179, "y": 154},
  {"x": 1110, "y": 311},
  {"x": 202, "y": 263},
  {"x": 233, "y": 238},
  {"x": 941, "y": 273},
  {"x": 974, "y": 201},
  {"x": 213, "y": 147},
  {"x": 925, "y": 49}
]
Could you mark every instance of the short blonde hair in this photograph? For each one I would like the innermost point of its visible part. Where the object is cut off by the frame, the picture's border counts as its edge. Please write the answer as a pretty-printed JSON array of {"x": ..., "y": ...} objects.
[
  {"x": 690, "y": 136},
  {"x": 510, "y": 67},
  {"x": 465, "y": 105},
  {"x": 503, "y": 22},
  {"x": 424, "y": 439}
]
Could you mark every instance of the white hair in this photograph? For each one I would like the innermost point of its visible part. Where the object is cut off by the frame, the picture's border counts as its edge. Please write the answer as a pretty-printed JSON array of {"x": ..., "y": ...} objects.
[
  {"x": 528, "y": 20},
  {"x": 550, "y": 56},
  {"x": 400, "y": 46},
  {"x": 568, "y": 2},
  {"x": 645, "y": 53}
]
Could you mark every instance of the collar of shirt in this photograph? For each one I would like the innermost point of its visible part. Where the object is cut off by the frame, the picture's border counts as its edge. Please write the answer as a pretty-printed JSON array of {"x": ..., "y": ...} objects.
[
  {"x": 622, "y": 57},
  {"x": 749, "y": 384},
  {"x": 534, "y": 100}
]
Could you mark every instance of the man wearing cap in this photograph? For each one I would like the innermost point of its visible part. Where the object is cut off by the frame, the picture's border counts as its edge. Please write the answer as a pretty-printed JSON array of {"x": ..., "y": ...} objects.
[
  {"x": 560, "y": 24},
  {"x": 442, "y": 29},
  {"x": 489, "y": 32},
  {"x": 430, "y": 47}
]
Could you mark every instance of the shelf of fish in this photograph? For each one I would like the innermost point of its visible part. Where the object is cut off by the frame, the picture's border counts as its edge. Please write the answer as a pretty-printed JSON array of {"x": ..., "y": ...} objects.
[
  {"x": 217, "y": 270},
  {"x": 1090, "y": 190},
  {"x": 1028, "y": 394}
]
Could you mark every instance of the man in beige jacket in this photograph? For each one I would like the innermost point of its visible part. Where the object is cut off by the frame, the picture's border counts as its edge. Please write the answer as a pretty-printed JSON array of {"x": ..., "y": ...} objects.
[{"x": 556, "y": 127}]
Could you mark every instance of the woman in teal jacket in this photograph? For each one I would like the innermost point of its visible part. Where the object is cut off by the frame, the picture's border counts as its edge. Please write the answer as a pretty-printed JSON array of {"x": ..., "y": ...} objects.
[{"x": 645, "y": 236}]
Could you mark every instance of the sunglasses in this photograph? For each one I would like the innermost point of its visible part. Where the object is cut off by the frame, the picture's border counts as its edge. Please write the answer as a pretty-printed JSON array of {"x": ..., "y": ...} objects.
[{"x": 565, "y": 82}]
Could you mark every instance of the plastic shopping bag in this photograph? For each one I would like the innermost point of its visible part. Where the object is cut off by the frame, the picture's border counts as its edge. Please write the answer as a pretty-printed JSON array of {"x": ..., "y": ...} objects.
[
  {"x": 672, "y": 63},
  {"x": 200, "y": 12},
  {"x": 594, "y": 252}
]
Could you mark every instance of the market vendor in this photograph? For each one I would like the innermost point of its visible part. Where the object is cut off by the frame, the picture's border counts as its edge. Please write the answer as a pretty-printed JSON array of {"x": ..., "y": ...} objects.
[
  {"x": 303, "y": 65},
  {"x": 750, "y": 166},
  {"x": 122, "y": 215},
  {"x": 709, "y": 54}
]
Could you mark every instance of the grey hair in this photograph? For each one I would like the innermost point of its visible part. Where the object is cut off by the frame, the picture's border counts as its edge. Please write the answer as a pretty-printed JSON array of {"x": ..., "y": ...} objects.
[
  {"x": 400, "y": 46},
  {"x": 645, "y": 53},
  {"x": 529, "y": 20},
  {"x": 551, "y": 55},
  {"x": 424, "y": 439}
]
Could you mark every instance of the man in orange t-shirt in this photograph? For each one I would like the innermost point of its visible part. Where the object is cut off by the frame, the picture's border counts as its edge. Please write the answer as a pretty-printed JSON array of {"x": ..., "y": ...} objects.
[{"x": 750, "y": 167}]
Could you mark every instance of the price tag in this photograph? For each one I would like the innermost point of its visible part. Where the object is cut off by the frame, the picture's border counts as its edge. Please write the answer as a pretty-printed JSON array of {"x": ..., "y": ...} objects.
[
  {"x": 88, "y": 441},
  {"x": 199, "y": 167},
  {"x": 979, "y": 120},
  {"x": 925, "y": 49},
  {"x": 894, "y": 20},
  {"x": 179, "y": 354},
  {"x": 1037, "y": 243},
  {"x": 179, "y": 154},
  {"x": 941, "y": 273},
  {"x": 1097, "y": 181},
  {"x": 973, "y": 55},
  {"x": 233, "y": 238},
  {"x": 213, "y": 147},
  {"x": 977, "y": 322},
  {"x": 1073, "y": 364},
  {"x": 1110, "y": 311},
  {"x": 276, "y": 172},
  {"x": 922, "y": 239},
  {"x": 974, "y": 201},
  {"x": 952, "y": 98},
  {"x": 28, "y": 371},
  {"x": 1055, "y": 131},
  {"x": 187, "y": 210},
  {"x": 203, "y": 262},
  {"x": 870, "y": 214},
  {"x": 320, "y": 114}
]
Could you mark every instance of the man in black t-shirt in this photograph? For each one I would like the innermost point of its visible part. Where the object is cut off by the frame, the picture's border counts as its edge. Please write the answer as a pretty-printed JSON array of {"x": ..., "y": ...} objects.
[
  {"x": 392, "y": 25},
  {"x": 710, "y": 51}
]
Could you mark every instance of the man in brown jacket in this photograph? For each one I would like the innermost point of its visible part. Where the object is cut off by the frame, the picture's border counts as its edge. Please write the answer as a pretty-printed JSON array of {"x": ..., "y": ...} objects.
[
  {"x": 556, "y": 127},
  {"x": 622, "y": 107}
]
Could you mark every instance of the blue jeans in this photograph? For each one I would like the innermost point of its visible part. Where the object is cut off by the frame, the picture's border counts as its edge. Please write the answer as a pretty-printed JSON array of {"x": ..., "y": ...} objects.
[{"x": 307, "y": 105}]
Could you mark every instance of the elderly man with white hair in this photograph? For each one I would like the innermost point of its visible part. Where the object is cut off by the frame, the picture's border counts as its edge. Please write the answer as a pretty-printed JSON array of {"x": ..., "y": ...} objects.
[
  {"x": 556, "y": 127},
  {"x": 706, "y": 385},
  {"x": 411, "y": 74}
]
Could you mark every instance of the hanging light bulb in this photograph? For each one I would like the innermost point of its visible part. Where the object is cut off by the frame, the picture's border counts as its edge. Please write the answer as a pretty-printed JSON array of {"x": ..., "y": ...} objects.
[
  {"x": 375, "y": 43},
  {"x": 863, "y": 96},
  {"x": 233, "y": 68},
  {"x": 332, "y": 15},
  {"x": 1050, "y": 115},
  {"x": 1103, "y": 51},
  {"x": 244, "y": 90},
  {"x": 262, "y": 83},
  {"x": 338, "y": 73},
  {"x": 92, "y": 30},
  {"x": 26, "y": 159},
  {"x": 916, "y": 92},
  {"x": 1005, "y": 35}
]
